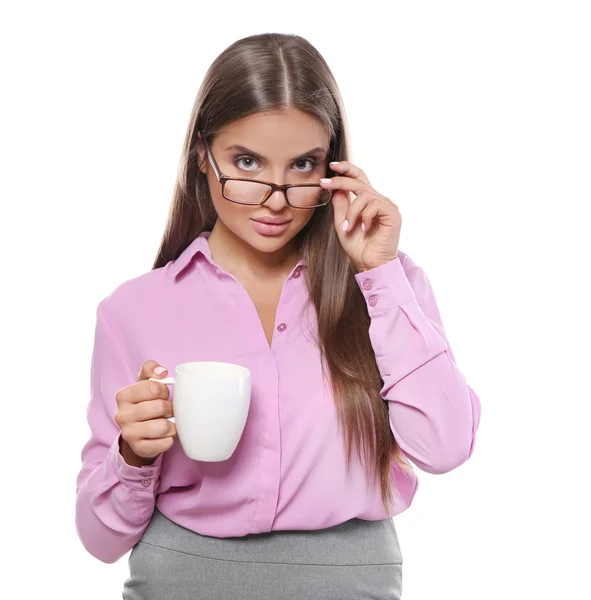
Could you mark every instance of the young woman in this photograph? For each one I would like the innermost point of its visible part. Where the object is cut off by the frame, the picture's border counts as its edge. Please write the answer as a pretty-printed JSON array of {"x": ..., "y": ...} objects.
[{"x": 268, "y": 264}]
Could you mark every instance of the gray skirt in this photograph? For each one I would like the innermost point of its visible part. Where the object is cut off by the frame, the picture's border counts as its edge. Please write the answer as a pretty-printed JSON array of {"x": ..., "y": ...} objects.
[{"x": 354, "y": 560}]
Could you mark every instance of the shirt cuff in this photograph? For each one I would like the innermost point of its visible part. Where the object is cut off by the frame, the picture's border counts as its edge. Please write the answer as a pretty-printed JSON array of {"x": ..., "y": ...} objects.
[
  {"x": 137, "y": 477},
  {"x": 385, "y": 286}
]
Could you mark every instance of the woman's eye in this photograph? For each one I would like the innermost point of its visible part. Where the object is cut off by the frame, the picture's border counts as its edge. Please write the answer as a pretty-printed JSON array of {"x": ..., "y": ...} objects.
[
  {"x": 308, "y": 160},
  {"x": 241, "y": 158},
  {"x": 247, "y": 163}
]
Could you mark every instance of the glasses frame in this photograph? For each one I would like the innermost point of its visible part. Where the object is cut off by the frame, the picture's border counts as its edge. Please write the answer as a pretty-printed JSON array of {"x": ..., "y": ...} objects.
[{"x": 274, "y": 186}]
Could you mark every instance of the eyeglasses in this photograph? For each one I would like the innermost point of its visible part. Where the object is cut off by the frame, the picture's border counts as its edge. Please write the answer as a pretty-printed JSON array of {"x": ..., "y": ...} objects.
[{"x": 255, "y": 192}]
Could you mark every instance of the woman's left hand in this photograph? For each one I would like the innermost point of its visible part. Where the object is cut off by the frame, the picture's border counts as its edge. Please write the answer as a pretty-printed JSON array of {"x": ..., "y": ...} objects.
[{"x": 368, "y": 227}]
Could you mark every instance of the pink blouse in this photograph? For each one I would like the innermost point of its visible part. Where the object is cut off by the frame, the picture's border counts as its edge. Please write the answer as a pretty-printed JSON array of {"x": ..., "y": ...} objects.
[{"x": 288, "y": 471}]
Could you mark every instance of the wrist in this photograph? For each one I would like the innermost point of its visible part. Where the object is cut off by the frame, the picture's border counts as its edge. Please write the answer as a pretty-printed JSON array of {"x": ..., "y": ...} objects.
[{"x": 363, "y": 268}]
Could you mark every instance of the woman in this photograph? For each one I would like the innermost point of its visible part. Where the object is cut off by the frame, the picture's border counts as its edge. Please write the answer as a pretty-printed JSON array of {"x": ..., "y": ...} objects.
[{"x": 303, "y": 284}]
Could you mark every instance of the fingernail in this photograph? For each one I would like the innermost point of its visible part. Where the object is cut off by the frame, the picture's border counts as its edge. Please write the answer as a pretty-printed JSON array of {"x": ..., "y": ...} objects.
[
  {"x": 159, "y": 370},
  {"x": 334, "y": 162},
  {"x": 362, "y": 226},
  {"x": 345, "y": 225},
  {"x": 325, "y": 180}
]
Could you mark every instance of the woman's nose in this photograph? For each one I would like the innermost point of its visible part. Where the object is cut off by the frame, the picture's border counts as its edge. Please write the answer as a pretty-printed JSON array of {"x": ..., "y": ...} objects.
[{"x": 277, "y": 200}]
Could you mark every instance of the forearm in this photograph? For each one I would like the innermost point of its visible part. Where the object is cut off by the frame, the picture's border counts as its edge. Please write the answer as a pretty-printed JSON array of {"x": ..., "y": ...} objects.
[
  {"x": 434, "y": 414},
  {"x": 114, "y": 504}
]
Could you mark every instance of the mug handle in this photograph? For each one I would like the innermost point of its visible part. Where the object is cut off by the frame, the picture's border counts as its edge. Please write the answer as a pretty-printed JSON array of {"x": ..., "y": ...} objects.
[{"x": 165, "y": 381}]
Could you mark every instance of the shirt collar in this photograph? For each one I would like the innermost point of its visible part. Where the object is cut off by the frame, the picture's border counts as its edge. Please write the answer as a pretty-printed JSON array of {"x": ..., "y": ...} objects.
[{"x": 199, "y": 244}]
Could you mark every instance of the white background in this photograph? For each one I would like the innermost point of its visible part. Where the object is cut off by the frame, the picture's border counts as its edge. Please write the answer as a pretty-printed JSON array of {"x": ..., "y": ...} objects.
[{"x": 474, "y": 117}]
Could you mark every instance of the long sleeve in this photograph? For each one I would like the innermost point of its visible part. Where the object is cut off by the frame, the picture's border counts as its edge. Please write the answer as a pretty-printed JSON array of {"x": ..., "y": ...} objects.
[
  {"x": 434, "y": 414},
  {"x": 114, "y": 500}
]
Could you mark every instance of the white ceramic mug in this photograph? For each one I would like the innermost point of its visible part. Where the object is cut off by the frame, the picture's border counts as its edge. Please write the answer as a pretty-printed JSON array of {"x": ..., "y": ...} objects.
[{"x": 211, "y": 401}]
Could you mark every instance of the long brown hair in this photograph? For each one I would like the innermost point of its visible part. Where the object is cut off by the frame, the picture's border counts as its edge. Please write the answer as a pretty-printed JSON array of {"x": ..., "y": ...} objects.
[{"x": 274, "y": 71}]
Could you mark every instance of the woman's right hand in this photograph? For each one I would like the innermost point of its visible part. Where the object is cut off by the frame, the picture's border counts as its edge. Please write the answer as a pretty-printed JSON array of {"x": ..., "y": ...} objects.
[{"x": 141, "y": 416}]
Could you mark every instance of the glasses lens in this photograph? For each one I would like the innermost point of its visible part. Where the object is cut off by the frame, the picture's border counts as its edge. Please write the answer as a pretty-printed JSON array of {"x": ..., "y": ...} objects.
[
  {"x": 253, "y": 192},
  {"x": 246, "y": 192},
  {"x": 308, "y": 196}
]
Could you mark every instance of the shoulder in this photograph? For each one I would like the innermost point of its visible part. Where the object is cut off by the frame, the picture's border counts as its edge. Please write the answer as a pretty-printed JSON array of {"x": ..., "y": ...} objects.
[{"x": 137, "y": 295}]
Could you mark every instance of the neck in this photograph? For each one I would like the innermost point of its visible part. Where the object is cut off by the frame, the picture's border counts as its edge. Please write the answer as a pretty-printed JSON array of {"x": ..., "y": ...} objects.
[{"x": 242, "y": 260}]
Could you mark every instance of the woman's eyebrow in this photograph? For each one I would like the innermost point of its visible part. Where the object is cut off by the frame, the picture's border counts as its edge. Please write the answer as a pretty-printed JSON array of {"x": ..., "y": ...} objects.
[{"x": 317, "y": 150}]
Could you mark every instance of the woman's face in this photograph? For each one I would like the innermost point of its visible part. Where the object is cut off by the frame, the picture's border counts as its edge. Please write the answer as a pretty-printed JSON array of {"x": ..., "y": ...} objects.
[{"x": 278, "y": 147}]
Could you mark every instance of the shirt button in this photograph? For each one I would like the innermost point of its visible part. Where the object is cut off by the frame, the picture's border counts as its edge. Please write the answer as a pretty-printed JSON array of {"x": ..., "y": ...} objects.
[
  {"x": 367, "y": 284},
  {"x": 297, "y": 272},
  {"x": 281, "y": 327},
  {"x": 145, "y": 474},
  {"x": 145, "y": 482},
  {"x": 373, "y": 300}
]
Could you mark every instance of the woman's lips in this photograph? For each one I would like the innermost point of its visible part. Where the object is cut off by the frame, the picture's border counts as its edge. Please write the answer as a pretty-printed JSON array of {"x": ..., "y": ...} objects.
[{"x": 269, "y": 228}]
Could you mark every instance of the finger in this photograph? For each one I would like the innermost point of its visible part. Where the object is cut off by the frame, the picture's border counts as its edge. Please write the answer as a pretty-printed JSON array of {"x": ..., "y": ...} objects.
[
  {"x": 154, "y": 429},
  {"x": 153, "y": 409},
  {"x": 349, "y": 184},
  {"x": 367, "y": 216},
  {"x": 355, "y": 209},
  {"x": 150, "y": 448},
  {"x": 143, "y": 410},
  {"x": 143, "y": 435},
  {"x": 140, "y": 392},
  {"x": 340, "y": 205},
  {"x": 349, "y": 169}
]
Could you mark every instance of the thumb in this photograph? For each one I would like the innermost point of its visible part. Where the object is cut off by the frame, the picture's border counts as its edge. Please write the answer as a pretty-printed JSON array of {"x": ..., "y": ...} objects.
[
  {"x": 340, "y": 205},
  {"x": 151, "y": 369}
]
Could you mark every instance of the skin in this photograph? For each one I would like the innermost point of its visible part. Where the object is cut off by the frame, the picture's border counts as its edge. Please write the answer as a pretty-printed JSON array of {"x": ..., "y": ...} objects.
[
  {"x": 279, "y": 136},
  {"x": 370, "y": 237},
  {"x": 261, "y": 263},
  {"x": 368, "y": 228}
]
